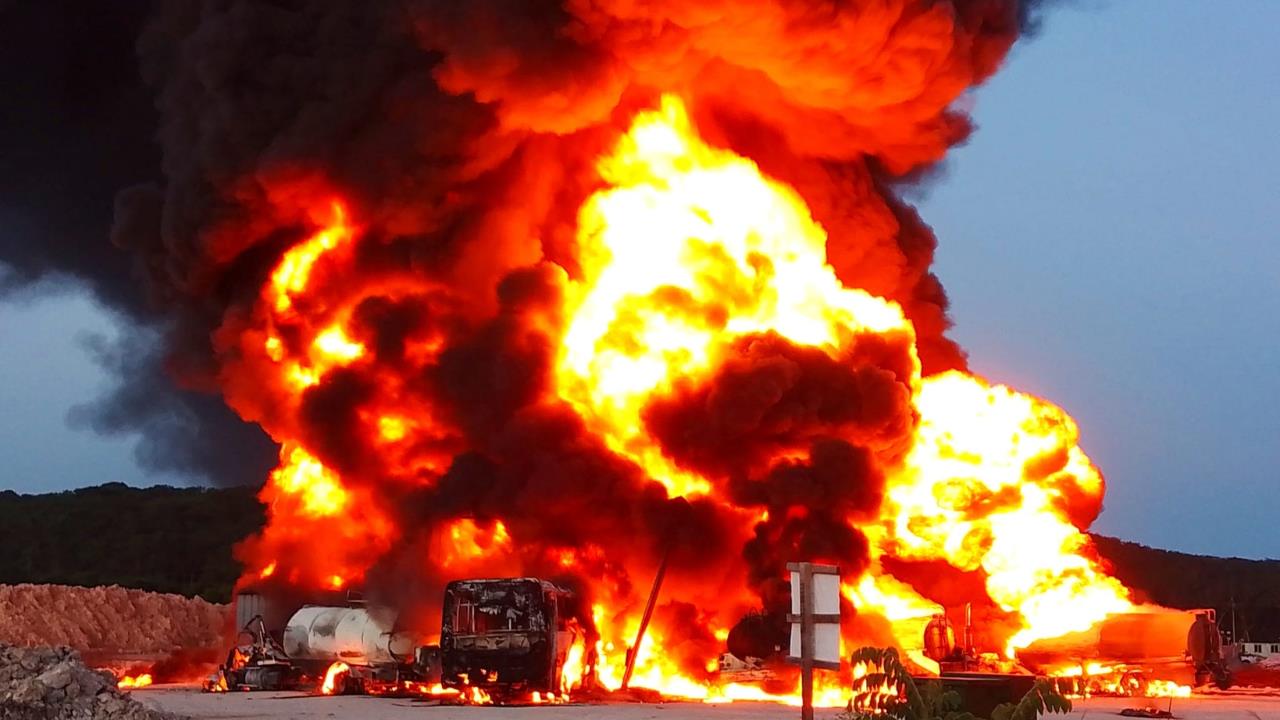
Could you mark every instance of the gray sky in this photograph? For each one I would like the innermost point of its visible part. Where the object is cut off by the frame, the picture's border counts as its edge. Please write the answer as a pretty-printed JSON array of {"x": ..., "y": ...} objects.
[
  {"x": 44, "y": 372},
  {"x": 1107, "y": 239}
]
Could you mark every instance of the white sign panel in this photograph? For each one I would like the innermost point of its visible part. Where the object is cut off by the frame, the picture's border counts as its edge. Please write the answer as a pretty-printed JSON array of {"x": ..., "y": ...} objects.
[
  {"x": 826, "y": 642},
  {"x": 824, "y": 589},
  {"x": 826, "y": 594}
]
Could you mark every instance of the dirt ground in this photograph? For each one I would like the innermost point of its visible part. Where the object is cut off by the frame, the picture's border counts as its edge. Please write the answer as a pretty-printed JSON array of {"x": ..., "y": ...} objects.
[
  {"x": 111, "y": 620},
  {"x": 190, "y": 701}
]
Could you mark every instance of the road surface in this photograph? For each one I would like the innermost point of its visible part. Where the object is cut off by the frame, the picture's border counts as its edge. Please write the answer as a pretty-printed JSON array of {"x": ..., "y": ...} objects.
[{"x": 189, "y": 701}]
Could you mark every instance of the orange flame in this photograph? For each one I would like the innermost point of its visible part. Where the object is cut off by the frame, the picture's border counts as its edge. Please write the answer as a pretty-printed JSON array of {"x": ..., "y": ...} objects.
[
  {"x": 988, "y": 485},
  {"x": 1095, "y": 678},
  {"x": 685, "y": 232},
  {"x": 134, "y": 681},
  {"x": 290, "y": 276},
  {"x": 686, "y": 248},
  {"x": 334, "y": 676}
]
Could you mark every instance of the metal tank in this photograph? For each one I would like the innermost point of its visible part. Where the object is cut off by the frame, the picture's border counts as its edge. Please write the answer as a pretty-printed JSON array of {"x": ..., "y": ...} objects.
[
  {"x": 1122, "y": 637},
  {"x": 939, "y": 639},
  {"x": 357, "y": 636}
]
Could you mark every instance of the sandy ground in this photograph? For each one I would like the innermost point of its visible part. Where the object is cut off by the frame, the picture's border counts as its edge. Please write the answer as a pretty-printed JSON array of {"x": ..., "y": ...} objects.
[{"x": 190, "y": 701}]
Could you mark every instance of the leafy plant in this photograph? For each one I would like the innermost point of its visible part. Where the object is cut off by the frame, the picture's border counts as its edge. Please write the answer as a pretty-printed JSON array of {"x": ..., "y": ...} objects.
[{"x": 887, "y": 690}]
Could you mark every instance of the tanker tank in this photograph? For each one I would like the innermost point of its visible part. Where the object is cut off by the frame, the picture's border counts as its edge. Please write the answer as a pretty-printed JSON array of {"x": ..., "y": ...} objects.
[
  {"x": 354, "y": 635},
  {"x": 1178, "y": 645}
]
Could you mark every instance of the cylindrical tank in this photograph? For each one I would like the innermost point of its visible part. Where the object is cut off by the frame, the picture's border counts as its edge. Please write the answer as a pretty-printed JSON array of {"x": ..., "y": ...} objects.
[
  {"x": 1125, "y": 637},
  {"x": 1204, "y": 642},
  {"x": 357, "y": 636},
  {"x": 939, "y": 638}
]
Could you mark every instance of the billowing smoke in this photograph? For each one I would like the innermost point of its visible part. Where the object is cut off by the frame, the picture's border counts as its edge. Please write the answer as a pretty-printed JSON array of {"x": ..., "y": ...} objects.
[
  {"x": 79, "y": 125},
  {"x": 400, "y": 185},
  {"x": 249, "y": 95}
]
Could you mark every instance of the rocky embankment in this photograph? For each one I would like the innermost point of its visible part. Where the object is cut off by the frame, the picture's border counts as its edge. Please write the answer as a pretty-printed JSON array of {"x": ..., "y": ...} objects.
[{"x": 43, "y": 683}]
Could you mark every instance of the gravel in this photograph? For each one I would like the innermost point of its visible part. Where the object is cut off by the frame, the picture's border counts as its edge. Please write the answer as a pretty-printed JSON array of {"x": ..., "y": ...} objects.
[{"x": 44, "y": 683}]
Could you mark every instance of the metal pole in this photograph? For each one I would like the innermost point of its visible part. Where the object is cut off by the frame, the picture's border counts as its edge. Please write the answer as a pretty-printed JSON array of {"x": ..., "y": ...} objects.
[
  {"x": 968, "y": 631},
  {"x": 1235, "y": 639},
  {"x": 806, "y": 641},
  {"x": 644, "y": 619}
]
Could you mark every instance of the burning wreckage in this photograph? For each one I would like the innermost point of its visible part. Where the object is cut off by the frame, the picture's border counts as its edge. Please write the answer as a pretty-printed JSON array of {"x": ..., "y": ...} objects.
[
  {"x": 521, "y": 640},
  {"x": 634, "y": 290},
  {"x": 516, "y": 638}
]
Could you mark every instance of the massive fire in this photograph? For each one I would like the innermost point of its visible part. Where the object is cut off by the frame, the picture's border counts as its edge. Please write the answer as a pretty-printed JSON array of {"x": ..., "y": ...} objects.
[{"x": 693, "y": 268}]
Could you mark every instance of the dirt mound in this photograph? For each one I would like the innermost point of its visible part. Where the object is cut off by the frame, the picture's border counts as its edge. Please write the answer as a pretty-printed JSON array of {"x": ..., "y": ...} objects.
[
  {"x": 108, "y": 619},
  {"x": 53, "y": 683}
]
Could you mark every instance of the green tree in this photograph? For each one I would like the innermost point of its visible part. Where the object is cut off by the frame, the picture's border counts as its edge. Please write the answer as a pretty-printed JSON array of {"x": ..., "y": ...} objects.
[{"x": 910, "y": 701}]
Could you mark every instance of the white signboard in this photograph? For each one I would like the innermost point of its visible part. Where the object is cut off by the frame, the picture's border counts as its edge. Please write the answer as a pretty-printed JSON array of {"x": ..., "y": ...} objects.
[
  {"x": 815, "y": 624},
  {"x": 815, "y": 597},
  {"x": 826, "y": 602}
]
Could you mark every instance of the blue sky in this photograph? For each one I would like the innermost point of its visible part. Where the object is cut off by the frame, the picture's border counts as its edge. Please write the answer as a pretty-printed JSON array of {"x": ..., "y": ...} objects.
[{"x": 1108, "y": 240}]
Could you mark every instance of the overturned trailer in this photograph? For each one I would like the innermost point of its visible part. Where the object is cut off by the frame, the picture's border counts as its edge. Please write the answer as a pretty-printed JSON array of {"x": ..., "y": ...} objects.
[{"x": 509, "y": 636}]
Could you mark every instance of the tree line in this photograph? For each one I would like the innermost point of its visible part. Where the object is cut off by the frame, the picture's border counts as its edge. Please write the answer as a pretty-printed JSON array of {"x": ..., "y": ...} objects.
[
  {"x": 161, "y": 538},
  {"x": 180, "y": 540}
]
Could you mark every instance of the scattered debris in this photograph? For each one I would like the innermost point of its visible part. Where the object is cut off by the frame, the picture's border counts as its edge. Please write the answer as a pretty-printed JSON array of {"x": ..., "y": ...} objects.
[
  {"x": 1146, "y": 713},
  {"x": 54, "y": 684}
]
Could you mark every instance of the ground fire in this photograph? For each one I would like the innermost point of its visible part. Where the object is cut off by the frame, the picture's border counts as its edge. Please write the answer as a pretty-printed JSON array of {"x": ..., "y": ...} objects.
[{"x": 633, "y": 295}]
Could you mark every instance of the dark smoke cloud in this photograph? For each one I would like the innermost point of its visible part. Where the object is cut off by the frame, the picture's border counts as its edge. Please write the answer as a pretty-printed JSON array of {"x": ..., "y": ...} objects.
[
  {"x": 254, "y": 97},
  {"x": 175, "y": 429},
  {"x": 462, "y": 137},
  {"x": 79, "y": 125}
]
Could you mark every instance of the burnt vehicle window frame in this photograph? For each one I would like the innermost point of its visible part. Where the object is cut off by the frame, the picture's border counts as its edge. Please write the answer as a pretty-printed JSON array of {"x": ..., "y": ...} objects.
[{"x": 462, "y": 594}]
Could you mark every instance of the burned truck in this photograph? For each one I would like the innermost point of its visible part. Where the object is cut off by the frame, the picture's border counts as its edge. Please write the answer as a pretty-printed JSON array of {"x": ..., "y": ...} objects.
[{"x": 509, "y": 636}]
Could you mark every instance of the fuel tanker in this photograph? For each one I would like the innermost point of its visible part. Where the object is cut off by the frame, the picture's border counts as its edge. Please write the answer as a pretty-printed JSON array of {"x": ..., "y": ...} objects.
[{"x": 1184, "y": 647}]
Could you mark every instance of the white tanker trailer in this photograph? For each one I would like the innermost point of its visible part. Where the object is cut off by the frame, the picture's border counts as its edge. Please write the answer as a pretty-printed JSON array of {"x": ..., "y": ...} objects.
[
  {"x": 354, "y": 635},
  {"x": 315, "y": 637}
]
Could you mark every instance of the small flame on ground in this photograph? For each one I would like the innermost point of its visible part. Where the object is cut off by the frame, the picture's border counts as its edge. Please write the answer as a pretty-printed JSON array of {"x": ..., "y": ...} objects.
[
  {"x": 1095, "y": 678},
  {"x": 336, "y": 674},
  {"x": 134, "y": 681}
]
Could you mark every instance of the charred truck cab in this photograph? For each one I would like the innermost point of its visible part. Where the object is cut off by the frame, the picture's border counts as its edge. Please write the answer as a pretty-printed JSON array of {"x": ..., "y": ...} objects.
[{"x": 507, "y": 636}]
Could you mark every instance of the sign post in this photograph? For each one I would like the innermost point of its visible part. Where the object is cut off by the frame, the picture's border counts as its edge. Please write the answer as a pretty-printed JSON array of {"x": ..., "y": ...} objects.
[{"x": 815, "y": 624}]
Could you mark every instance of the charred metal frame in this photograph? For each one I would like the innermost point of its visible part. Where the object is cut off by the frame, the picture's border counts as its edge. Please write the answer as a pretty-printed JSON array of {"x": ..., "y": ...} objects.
[{"x": 526, "y": 655}]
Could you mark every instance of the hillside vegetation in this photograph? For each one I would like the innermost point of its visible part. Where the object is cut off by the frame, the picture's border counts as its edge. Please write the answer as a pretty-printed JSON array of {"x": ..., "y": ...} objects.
[
  {"x": 1182, "y": 580},
  {"x": 161, "y": 538},
  {"x": 180, "y": 539}
]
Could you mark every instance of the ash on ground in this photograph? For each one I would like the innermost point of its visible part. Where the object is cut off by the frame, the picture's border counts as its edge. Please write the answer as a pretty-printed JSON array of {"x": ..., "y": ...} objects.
[{"x": 45, "y": 683}]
